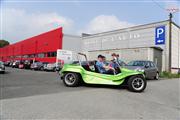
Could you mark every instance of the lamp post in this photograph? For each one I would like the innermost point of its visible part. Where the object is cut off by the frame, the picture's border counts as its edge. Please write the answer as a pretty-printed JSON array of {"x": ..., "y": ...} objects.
[
  {"x": 170, "y": 40},
  {"x": 171, "y": 10}
]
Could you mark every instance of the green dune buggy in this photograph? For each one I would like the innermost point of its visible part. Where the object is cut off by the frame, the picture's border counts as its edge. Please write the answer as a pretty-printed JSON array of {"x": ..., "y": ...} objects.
[{"x": 76, "y": 72}]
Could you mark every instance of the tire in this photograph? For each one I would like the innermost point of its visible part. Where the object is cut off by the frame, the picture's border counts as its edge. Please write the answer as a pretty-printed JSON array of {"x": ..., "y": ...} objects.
[
  {"x": 42, "y": 69},
  {"x": 137, "y": 83},
  {"x": 71, "y": 79},
  {"x": 157, "y": 76},
  {"x": 3, "y": 72}
]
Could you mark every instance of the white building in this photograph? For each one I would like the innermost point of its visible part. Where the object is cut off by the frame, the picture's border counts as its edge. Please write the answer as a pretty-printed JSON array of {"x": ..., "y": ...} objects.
[{"x": 143, "y": 42}]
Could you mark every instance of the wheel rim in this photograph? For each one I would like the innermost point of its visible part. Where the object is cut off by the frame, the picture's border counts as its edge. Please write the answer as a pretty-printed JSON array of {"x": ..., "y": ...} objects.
[
  {"x": 138, "y": 83},
  {"x": 157, "y": 76},
  {"x": 70, "y": 79}
]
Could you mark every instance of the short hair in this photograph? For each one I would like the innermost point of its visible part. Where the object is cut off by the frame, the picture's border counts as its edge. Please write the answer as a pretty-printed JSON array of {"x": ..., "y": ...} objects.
[
  {"x": 100, "y": 56},
  {"x": 113, "y": 54},
  {"x": 103, "y": 57}
]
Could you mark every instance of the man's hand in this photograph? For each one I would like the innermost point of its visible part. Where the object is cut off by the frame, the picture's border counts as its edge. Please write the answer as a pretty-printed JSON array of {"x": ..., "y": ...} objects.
[{"x": 111, "y": 68}]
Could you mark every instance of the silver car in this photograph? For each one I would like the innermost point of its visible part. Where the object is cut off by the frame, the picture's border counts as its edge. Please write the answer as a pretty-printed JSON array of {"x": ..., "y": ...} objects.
[
  {"x": 2, "y": 67},
  {"x": 148, "y": 67},
  {"x": 50, "y": 67}
]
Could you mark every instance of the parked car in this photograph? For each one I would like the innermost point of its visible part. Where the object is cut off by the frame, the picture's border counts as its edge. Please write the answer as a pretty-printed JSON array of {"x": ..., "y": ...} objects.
[
  {"x": 120, "y": 62},
  {"x": 21, "y": 65},
  {"x": 148, "y": 67},
  {"x": 38, "y": 66},
  {"x": 59, "y": 66},
  {"x": 16, "y": 64},
  {"x": 2, "y": 67},
  {"x": 50, "y": 67},
  {"x": 7, "y": 63},
  {"x": 27, "y": 64}
]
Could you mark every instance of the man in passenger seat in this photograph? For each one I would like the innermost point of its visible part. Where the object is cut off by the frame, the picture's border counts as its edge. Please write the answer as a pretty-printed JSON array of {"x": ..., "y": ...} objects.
[
  {"x": 115, "y": 62},
  {"x": 102, "y": 68}
]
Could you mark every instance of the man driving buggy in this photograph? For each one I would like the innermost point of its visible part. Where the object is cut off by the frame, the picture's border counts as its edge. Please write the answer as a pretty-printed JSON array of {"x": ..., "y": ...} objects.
[{"x": 102, "y": 67}]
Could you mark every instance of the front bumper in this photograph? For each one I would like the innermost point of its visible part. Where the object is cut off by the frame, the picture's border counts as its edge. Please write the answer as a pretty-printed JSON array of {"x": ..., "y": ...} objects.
[
  {"x": 2, "y": 69},
  {"x": 34, "y": 68},
  {"x": 61, "y": 75},
  {"x": 49, "y": 68}
]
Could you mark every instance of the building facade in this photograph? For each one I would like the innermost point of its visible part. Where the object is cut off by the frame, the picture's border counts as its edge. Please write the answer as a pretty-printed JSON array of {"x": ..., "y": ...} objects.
[
  {"x": 143, "y": 42},
  {"x": 42, "y": 47},
  {"x": 158, "y": 42}
]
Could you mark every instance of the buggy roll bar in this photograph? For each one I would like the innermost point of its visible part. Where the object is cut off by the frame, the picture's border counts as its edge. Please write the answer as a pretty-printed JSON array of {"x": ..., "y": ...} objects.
[{"x": 83, "y": 55}]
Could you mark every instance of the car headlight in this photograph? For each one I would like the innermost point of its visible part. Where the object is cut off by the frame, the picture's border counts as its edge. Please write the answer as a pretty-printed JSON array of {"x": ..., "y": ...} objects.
[{"x": 139, "y": 70}]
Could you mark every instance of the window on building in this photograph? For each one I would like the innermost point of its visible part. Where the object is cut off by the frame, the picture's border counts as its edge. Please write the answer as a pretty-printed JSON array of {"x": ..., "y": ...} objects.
[
  {"x": 18, "y": 56},
  {"x": 41, "y": 55},
  {"x": 51, "y": 54},
  {"x": 25, "y": 56},
  {"x": 31, "y": 56}
]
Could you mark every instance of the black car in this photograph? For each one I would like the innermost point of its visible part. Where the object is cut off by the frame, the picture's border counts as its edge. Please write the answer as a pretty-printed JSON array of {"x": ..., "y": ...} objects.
[
  {"x": 27, "y": 64},
  {"x": 2, "y": 67},
  {"x": 11, "y": 63},
  {"x": 15, "y": 64},
  {"x": 7, "y": 63}
]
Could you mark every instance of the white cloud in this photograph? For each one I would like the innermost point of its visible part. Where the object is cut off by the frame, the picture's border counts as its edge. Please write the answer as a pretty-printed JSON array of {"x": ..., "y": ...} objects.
[
  {"x": 19, "y": 24},
  {"x": 104, "y": 23}
]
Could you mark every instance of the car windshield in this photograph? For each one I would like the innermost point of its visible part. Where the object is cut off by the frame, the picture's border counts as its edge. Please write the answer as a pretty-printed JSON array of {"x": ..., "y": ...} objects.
[
  {"x": 37, "y": 63},
  {"x": 136, "y": 63}
]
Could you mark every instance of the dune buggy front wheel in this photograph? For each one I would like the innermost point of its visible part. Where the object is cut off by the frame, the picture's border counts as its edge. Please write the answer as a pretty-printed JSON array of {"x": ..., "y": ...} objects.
[
  {"x": 71, "y": 79},
  {"x": 137, "y": 83}
]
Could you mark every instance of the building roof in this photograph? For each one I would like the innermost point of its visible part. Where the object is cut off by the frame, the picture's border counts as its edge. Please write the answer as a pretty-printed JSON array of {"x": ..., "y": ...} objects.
[{"x": 125, "y": 29}]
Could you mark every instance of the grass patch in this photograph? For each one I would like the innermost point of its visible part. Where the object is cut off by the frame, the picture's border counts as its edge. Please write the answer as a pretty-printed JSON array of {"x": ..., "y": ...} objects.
[{"x": 169, "y": 75}]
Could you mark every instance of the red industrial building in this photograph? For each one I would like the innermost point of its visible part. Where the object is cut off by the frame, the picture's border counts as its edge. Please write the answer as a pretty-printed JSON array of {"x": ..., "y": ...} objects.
[{"x": 40, "y": 48}]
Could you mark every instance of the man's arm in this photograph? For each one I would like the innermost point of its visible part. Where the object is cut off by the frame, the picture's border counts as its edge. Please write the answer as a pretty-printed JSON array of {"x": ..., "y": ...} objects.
[{"x": 108, "y": 67}]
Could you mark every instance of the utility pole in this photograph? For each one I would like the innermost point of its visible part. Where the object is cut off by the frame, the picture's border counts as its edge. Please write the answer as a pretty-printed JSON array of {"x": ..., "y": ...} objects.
[{"x": 170, "y": 40}]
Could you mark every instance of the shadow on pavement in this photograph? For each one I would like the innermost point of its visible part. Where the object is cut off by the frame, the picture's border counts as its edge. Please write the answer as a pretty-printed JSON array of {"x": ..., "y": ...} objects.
[{"x": 23, "y": 83}]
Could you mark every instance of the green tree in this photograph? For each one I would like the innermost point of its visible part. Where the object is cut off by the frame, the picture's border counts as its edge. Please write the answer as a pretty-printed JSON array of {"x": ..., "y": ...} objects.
[{"x": 3, "y": 43}]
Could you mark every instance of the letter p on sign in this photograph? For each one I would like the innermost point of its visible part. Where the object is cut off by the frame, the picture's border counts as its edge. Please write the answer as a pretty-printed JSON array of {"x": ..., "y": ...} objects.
[{"x": 160, "y": 35}]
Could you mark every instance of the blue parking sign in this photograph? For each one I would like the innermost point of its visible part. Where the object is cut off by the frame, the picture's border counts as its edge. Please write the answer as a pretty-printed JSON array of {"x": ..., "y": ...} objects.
[{"x": 160, "y": 35}]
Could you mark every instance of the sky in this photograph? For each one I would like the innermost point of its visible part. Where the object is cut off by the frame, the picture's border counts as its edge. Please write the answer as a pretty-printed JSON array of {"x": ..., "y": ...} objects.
[{"x": 21, "y": 19}]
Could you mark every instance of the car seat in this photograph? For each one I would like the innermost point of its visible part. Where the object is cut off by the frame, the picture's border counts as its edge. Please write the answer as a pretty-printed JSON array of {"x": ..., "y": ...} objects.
[
  {"x": 96, "y": 68},
  {"x": 86, "y": 67}
]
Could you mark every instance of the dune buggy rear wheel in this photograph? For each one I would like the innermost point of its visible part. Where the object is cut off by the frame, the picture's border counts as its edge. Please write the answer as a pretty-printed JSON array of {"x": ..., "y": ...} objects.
[
  {"x": 137, "y": 83},
  {"x": 71, "y": 79}
]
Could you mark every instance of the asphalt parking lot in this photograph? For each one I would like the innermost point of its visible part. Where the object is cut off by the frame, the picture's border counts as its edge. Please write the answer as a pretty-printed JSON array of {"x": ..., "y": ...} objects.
[{"x": 27, "y": 94}]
